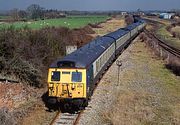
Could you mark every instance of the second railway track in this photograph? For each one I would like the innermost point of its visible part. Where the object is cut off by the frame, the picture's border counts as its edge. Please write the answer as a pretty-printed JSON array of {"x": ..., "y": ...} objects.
[{"x": 174, "y": 51}]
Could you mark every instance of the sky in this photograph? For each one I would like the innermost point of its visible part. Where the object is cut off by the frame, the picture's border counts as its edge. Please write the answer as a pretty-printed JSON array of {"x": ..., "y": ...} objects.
[{"x": 90, "y": 5}]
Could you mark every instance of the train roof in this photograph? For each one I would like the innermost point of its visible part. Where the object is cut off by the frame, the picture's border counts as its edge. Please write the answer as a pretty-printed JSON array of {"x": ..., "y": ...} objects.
[
  {"x": 132, "y": 26},
  {"x": 117, "y": 34},
  {"x": 85, "y": 55}
]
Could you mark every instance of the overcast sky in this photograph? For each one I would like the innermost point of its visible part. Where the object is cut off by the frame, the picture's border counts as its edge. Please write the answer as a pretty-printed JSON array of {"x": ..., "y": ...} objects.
[{"x": 93, "y": 4}]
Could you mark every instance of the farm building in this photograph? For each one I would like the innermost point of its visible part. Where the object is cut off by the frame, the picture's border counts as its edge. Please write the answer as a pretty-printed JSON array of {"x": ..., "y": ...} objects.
[
  {"x": 166, "y": 15},
  {"x": 124, "y": 13}
]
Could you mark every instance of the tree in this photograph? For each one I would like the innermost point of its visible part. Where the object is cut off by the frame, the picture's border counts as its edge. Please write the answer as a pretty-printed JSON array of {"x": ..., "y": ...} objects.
[
  {"x": 35, "y": 11},
  {"x": 22, "y": 14},
  {"x": 129, "y": 19},
  {"x": 14, "y": 14}
]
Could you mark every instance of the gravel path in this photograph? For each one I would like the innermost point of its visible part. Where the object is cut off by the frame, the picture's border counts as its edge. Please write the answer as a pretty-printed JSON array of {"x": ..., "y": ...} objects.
[{"x": 144, "y": 94}]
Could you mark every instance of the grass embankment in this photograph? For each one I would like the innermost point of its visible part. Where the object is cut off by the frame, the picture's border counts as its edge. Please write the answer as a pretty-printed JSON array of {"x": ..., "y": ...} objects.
[
  {"x": 110, "y": 25},
  {"x": 176, "y": 29},
  {"x": 160, "y": 28},
  {"x": 70, "y": 22},
  {"x": 149, "y": 93},
  {"x": 163, "y": 34}
]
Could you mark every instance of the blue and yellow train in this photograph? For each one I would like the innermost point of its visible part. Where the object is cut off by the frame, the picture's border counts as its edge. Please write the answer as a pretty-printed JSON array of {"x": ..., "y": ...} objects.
[{"x": 71, "y": 80}]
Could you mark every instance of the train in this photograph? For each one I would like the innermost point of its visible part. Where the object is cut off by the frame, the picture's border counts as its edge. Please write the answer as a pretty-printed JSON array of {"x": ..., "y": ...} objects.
[{"x": 72, "y": 79}]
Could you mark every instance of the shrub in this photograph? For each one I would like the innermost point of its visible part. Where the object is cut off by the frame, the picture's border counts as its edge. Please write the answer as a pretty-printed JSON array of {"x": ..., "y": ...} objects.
[
  {"x": 6, "y": 118},
  {"x": 129, "y": 19},
  {"x": 27, "y": 54}
]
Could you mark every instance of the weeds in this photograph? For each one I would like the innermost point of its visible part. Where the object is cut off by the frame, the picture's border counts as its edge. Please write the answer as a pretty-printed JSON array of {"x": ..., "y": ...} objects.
[{"x": 6, "y": 117}]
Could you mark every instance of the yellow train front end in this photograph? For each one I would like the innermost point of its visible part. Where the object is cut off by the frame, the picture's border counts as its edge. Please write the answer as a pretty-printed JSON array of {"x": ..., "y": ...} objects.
[{"x": 67, "y": 85}]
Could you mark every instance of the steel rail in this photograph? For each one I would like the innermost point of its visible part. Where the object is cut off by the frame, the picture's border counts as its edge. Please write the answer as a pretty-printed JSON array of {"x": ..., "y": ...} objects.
[{"x": 164, "y": 45}]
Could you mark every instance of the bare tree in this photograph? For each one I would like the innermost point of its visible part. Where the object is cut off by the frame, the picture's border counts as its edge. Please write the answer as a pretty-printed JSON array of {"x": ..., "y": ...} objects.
[
  {"x": 129, "y": 19},
  {"x": 22, "y": 14},
  {"x": 14, "y": 14},
  {"x": 35, "y": 11}
]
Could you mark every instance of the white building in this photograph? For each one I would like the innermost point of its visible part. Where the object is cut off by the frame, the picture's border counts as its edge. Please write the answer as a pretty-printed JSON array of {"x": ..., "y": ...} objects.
[{"x": 166, "y": 15}]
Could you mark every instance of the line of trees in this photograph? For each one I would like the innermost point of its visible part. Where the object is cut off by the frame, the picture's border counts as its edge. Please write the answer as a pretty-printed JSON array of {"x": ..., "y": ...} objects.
[{"x": 35, "y": 12}]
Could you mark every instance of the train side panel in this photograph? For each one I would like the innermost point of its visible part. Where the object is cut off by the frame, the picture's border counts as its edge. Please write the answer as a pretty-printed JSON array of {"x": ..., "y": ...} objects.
[
  {"x": 121, "y": 42},
  {"x": 103, "y": 61},
  {"x": 105, "y": 57}
]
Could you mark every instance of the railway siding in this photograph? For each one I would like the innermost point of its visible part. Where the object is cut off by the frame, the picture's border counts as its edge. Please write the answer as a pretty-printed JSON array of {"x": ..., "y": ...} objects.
[{"x": 148, "y": 93}]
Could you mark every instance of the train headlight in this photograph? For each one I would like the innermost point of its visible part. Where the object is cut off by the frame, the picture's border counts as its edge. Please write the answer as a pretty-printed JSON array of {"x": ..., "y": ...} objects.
[
  {"x": 51, "y": 88},
  {"x": 70, "y": 94}
]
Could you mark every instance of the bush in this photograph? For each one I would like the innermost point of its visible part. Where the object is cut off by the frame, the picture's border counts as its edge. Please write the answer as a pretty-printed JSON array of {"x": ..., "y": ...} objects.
[
  {"x": 27, "y": 54},
  {"x": 6, "y": 118},
  {"x": 129, "y": 19}
]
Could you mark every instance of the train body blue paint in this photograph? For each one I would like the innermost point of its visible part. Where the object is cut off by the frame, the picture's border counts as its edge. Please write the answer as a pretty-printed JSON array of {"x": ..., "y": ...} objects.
[{"x": 95, "y": 57}]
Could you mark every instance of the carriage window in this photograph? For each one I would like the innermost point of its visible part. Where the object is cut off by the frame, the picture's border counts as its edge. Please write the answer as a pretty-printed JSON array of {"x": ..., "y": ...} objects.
[
  {"x": 55, "y": 76},
  {"x": 76, "y": 76},
  {"x": 96, "y": 66}
]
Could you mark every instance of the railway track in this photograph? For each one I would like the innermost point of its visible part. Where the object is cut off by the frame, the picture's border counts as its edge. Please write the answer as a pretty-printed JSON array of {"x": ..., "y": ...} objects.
[
  {"x": 66, "y": 118},
  {"x": 73, "y": 118},
  {"x": 174, "y": 51},
  {"x": 70, "y": 118}
]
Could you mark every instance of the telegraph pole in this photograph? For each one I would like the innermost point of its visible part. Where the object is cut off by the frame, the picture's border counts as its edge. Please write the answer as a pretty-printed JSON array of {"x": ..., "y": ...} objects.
[{"x": 119, "y": 64}]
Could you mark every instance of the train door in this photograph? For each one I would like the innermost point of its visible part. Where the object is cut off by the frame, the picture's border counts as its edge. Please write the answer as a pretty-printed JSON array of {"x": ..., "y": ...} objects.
[{"x": 90, "y": 81}]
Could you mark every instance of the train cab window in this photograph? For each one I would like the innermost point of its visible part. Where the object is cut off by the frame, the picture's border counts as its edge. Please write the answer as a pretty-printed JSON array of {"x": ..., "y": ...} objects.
[
  {"x": 55, "y": 76},
  {"x": 76, "y": 76}
]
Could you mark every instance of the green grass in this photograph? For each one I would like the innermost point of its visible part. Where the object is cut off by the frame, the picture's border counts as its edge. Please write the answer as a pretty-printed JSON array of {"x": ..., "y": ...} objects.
[
  {"x": 70, "y": 22},
  {"x": 163, "y": 34},
  {"x": 163, "y": 31},
  {"x": 4, "y": 17}
]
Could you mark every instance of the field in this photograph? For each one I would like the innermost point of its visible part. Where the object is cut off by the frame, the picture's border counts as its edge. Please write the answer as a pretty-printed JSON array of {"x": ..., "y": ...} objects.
[
  {"x": 70, "y": 22},
  {"x": 4, "y": 17}
]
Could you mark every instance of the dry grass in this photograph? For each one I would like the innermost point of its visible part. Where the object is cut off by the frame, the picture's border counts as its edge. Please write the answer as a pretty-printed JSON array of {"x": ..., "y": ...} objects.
[
  {"x": 38, "y": 117},
  {"x": 130, "y": 109},
  {"x": 149, "y": 93},
  {"x": 176, "y": 29},
  {"x": 157, "y": 19},
  {"x": 109, "y": 26}
]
